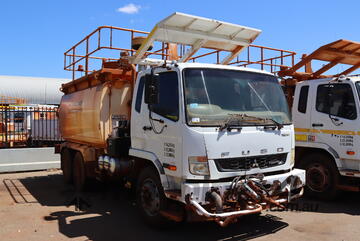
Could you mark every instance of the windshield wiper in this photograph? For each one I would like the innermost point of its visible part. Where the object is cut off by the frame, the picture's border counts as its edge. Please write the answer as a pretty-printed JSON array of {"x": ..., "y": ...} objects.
[
  {"x": 278, "y": 125},
  {"x": 246, "y": 118},
  {"x": 229, "y": 123}
]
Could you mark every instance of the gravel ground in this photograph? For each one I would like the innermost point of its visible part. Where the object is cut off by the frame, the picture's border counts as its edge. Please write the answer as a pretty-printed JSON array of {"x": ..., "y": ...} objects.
[{"x": 33, "y": 206}]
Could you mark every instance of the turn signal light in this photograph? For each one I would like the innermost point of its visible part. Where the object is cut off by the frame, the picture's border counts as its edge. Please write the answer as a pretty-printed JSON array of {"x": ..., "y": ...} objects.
[
  {"x": 350, "y": 153},
  {"x": 170, "y": 167}
]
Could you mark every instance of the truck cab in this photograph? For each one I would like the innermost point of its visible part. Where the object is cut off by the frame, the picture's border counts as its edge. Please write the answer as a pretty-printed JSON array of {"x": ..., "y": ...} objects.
[
  {"x": 211, "y": 124},
  {"x": 326, "y": 118}
]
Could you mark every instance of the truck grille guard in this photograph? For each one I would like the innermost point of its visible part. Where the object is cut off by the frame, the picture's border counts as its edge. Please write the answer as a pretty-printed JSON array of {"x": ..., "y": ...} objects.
[{"x": 246, "y": 196}]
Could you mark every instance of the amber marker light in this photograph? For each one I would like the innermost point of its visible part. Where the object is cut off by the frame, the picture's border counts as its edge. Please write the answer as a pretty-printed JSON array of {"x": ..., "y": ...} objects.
[{"x": 169, "y": 167}]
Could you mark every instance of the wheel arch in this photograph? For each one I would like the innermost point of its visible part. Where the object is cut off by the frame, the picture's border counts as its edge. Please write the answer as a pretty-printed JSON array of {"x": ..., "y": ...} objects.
[
  {"x": 301, "y": 152},
  {"x": 144, "y": 159}
]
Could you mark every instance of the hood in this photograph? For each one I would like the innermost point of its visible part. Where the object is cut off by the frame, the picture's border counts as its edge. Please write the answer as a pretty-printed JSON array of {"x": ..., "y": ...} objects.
[{"x": 249, "y": 141}]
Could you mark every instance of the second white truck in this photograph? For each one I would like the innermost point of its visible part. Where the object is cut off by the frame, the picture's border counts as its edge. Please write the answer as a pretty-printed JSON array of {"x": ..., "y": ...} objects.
[{"x": 326, "y": 115}]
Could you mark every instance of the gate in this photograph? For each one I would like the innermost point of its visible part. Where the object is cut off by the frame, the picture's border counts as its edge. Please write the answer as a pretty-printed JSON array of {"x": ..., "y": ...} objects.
[{"x": 28, "y": 126}]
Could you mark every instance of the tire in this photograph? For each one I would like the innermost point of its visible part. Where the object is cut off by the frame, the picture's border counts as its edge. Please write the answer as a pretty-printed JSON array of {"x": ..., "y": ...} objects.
[
  {"x": 66, "y": 165},
  {"x": 322, "y": 176},
  {"x": 150, "y": 198},
  {"x": 79, "y": 173}
]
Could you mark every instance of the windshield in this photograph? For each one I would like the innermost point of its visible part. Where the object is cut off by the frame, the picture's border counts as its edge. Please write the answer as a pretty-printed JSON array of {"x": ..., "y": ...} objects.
[{"x": 212, "y": 96}]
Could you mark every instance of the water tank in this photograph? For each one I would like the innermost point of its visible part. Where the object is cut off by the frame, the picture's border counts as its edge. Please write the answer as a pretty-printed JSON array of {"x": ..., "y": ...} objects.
[{"x": 88, "y": 116}]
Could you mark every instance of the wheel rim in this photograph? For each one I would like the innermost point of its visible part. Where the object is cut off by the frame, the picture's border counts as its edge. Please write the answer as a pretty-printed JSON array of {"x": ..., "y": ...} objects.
[
  {"x": 318, "y": 177},
  {"x": 150, "y": 197}
]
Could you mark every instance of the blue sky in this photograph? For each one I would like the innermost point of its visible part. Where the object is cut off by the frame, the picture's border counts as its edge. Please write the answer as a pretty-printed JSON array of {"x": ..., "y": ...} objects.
[{"x": 35, "y": 34}]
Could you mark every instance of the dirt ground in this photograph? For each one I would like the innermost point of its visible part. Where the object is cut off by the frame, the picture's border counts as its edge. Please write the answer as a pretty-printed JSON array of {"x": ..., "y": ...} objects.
[{"x": 33, "y": 206}]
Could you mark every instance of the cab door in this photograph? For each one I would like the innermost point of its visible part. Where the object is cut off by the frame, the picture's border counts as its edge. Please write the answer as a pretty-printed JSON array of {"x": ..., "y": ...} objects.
[
  {"x": 301, "y": 111},
  {"x": 159, "y": 131},
  {"x": 334, "y": 117}
]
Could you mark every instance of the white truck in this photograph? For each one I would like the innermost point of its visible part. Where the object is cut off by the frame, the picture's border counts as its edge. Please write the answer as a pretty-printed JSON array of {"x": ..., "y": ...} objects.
[
  {"x": 197, "y": 141},
  {"x": 326, "y": 112}
]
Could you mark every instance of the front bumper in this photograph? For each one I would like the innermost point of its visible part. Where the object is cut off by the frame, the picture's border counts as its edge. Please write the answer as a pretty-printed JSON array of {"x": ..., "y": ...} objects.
[
  {"x": 243, "y": 196},
  {"x": 198, "y": 190}
]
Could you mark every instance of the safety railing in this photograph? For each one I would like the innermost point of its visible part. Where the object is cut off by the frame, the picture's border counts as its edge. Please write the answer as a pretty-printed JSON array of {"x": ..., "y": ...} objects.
[
  {"x": 265, "y": 58},
  {"x": 78, "y": 58},
  {"x": 103, "y": 44}
]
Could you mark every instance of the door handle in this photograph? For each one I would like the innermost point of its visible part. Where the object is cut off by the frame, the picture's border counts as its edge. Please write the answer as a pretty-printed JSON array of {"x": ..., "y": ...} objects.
[
  {"x": 147, "y": 128},
  {"x": 317, "y": 124}
]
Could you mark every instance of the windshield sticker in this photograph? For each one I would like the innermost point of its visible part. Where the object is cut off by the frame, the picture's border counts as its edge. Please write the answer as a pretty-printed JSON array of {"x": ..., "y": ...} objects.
[
  {"x": 195, "y": 120},
  {"x": 194, "y": 105}
]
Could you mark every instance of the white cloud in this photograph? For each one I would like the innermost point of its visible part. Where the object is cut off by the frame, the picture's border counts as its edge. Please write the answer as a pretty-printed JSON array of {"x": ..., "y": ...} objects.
[{"x": 129, "y": 8}]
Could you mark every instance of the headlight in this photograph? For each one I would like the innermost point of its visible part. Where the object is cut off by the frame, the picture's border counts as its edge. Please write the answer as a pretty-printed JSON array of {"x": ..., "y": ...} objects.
[
  {"x": 198, "y": 165},
  {"x": 292, "y": 157}
]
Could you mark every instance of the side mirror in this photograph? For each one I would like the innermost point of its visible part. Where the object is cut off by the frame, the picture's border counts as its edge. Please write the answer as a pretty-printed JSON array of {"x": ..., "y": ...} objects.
[{"x": 151, "y": 89}]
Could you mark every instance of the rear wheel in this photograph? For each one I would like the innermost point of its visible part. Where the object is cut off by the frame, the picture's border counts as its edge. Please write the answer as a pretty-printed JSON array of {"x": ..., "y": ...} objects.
[
  {"x": 79, "y": 174},
  {"x": 151, "y": 199},
  {"x": 66, "y": 165},
  {"x": 321, "y": 176}
]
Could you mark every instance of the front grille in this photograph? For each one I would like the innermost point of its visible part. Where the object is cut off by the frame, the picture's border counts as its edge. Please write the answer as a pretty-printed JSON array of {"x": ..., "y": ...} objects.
[{"x": 247, "y": 163}]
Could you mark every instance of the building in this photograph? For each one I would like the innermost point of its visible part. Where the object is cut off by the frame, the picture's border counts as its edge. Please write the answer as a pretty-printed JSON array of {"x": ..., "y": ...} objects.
[{"x": 34, "y": 90}]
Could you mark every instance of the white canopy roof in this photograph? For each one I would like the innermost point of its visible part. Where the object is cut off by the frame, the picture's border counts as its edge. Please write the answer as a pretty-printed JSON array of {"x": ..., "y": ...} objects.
[{"x": 199, "y": 32}]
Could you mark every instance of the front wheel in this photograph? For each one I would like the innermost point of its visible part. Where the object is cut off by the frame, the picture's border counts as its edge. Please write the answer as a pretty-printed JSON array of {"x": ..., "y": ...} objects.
[
  {"x": 150, "y": 197},
  {"x": 321, "y": 177}
]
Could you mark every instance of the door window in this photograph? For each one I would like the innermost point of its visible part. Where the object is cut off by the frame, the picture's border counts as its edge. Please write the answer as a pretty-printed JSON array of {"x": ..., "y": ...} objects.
[
  {"x": 337, "y": 100},
  {"x": 139, "y": 94},
  {"x": 168, "y": 105},
  {"x": 304, "y": 91}
]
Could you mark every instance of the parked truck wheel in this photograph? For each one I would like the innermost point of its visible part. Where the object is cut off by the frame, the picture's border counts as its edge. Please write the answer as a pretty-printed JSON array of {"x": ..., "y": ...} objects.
[
  {"x": 321, "y": 176},
  {"x": 150, "y": 197},
  {"x": 79, "y": 173},
  {"x": 66, "y": 165}
]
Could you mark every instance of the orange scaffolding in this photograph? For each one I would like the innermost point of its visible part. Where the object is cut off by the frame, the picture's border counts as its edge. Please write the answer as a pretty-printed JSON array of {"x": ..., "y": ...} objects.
[{"x": 81, "y": 57}]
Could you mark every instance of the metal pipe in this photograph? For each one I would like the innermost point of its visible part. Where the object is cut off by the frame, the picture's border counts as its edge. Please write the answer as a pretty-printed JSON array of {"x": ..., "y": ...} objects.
[
  {"x": 262, "y": 58},
  {"x": 73, "y": 68},
  {"x": 111, "y": 34},
  {"x": 99, "y": 38},
  {"x": 205, "y": 213},
  {"x": 87, "y": 59},
  {"x": 216, "y": 198}
]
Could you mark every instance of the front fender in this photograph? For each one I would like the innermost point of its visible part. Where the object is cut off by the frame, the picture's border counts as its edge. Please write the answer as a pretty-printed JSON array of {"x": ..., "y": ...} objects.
[{"x": 157, "y": 164}]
